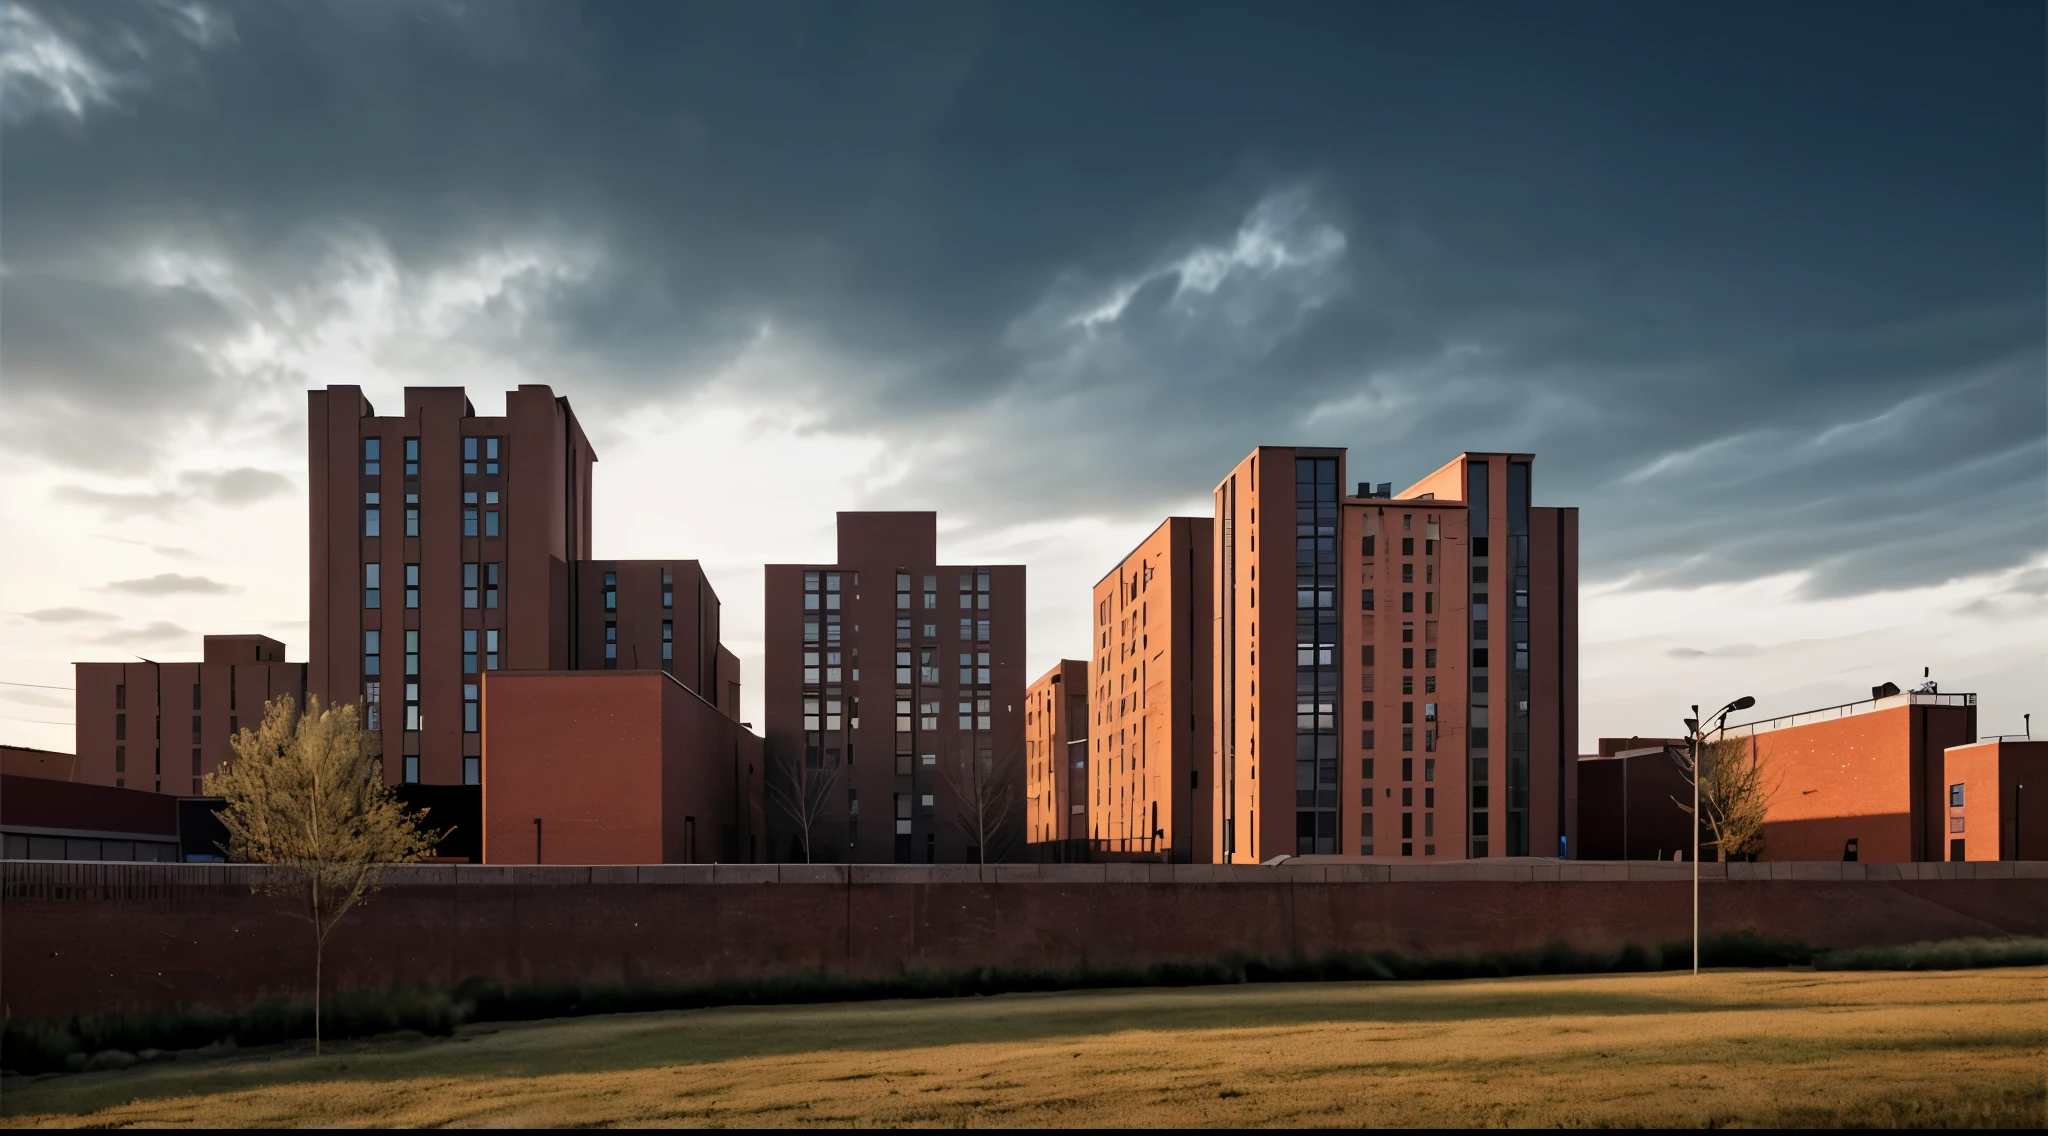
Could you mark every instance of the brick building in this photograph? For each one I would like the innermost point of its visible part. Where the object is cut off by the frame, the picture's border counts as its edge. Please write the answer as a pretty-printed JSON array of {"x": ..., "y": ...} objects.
[
  {"x": 615, "y": 767},
  {"x": 934, "y": 655},
  {"x": 1869, "y": 773},
  {"x": 1627, "y": 796},
  {"x": 654, "y": 615},
  {"x": 161, "y": 727},
  {"x": 1443, "y": 699},
  {"x": 442, "y": 546},
  {"x": 1056, "y": 758},
  {"x": 1997, "y": 807},
  {"x": 1150, "y": 696}
]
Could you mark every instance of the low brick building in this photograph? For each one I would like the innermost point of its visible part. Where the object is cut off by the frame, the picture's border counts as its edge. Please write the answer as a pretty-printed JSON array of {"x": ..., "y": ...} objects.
[
  {"x": 160, "y": 727},
  {"x": 1997, "y": 799},
  {"x": 1863, "y": 780},
  {"x": 615, "y": 767}
]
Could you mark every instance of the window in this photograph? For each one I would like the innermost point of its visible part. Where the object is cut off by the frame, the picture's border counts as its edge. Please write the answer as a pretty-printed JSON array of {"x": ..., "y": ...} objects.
[
  {"x": 1365, "y": 834},
  {"x": 412, "y": 769},
  {"x": 1429, "y": 661},
  {"x": 491, "y": 584},
  {"x": 668, "y": 589},
  {"x": 472, "y": 771},
  {"x": 668, "y": 642},
  {"x": 491, "y": 456},
  {"x": 469, "y": 708},
  {"x": 967, "y": 715},
  {"x": 928, "y": 715},
  {"x": 1368, "y": 545},
  {"x": 490, "y": 523},
  {"x": 1365, "y": 739},
  {"x": 373, "y": 574},
  {"x": 1365, "y": 768},
  {"x": 469, "y": 651},
  {"x": 981, "y": 630},
  {"x": 1365, "y": 600},
  {"x": 1407, "y": 546},
  {"x": 1429, "y": 603},
  {"x": 121, "y": 696},
  {"x": 1407, "y": 740},
  {"x": 1955, "y": 796},
  {"x": 1408, "y": 658},
  {"x": 1407, "y": 601},
  {"x": 491, "y": 649},
  {"x": 611, "y": 591},
  {"x": 371, "y": 527},
  {"x": 469, "y": 514},
  {"x": 611, "y": 646},
  {"x": 412, "y": 682},
  {"x": 373, "y": 449},
  {"x": 412, "y": 585},
  {"x": 412, "y": 457},
  {"x": 1407, "y": 573},
  {"x": 966, "y": 630},
  {"x": 928, "y": 668},
  {"x": 981, "y": 669},
  {"x": 370, "y": 658},
  {"x": 811, "y": 668},
  {"x": 469, "y": 455},
  {"x": 1407, "y": 712},
  {"x": 902, "y": 668},
  {"x": 1365, "y": 711},
  {"x": 472, "y": 577}
]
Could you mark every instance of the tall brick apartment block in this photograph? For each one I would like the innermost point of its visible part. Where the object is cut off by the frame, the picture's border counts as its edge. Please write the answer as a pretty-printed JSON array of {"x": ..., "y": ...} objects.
[
  {"x": 441, "y": 548},
  {"x": 899, "y": 671},
  {"x": 1418, "y": 693},
  {"x": 1150, "y": 697},
  {"x": 1056, "y": 756},
  {"x": 160, "y": 727}
]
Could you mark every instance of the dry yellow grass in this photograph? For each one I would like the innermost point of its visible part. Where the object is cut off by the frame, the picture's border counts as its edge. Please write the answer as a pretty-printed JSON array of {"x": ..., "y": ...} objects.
[{"x": 1730, "y": 1048}]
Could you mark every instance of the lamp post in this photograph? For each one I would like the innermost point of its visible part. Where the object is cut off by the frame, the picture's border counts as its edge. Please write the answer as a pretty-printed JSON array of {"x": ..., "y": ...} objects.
[{"x": 1698, "y": 739}]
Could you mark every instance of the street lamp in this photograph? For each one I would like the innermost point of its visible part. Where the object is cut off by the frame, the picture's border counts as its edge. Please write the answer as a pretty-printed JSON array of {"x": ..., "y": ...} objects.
[{"x": 1698, "y": 739}]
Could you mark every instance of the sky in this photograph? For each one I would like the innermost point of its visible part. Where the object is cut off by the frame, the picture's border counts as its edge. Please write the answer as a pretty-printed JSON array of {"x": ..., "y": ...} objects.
[{"x": 1761, "y": 285}]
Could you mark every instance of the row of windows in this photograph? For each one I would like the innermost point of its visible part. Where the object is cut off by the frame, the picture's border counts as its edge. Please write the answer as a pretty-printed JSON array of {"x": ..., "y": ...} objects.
[
  {"x": 1366, "y": 602},
  {"x": 1368, "y": 740},
  {"x": 480, "y": 582},
  {"x": 475, "y": 521},
  {"x": 477, "y": 454}
]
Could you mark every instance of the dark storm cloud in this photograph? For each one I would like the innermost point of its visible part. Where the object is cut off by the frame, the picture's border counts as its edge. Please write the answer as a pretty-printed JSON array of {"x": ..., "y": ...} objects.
[{"x": 1762, "y": 287}]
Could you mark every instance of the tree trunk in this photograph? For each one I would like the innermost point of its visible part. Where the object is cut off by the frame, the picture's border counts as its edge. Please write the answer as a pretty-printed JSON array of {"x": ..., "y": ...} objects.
[{"x": 318, "y": 948}]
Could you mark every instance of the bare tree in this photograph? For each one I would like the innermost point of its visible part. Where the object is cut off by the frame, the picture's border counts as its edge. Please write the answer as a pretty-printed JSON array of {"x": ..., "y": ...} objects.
[
  {"x": 985, "y": 795},
  {"x": 801, "y": 790},
  {"x": 305, "y": 795},
  {"x": 1735, "y": 794}
]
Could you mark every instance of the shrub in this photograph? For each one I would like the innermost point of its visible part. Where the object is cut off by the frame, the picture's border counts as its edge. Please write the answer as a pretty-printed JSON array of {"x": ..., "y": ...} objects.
[{"x": 1953, "y": 954}]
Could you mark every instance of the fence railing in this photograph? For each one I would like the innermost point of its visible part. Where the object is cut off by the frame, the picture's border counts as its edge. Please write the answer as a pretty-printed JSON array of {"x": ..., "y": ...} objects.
[{"x": 1850, "y": 709}]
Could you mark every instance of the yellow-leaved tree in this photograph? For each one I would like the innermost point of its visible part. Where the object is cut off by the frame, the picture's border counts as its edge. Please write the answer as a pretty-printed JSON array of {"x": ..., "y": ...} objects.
[{"x": 305, "y": 795}]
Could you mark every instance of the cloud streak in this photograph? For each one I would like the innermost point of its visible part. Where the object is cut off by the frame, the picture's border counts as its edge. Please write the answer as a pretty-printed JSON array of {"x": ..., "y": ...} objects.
[{"x": 172, "y": 584}]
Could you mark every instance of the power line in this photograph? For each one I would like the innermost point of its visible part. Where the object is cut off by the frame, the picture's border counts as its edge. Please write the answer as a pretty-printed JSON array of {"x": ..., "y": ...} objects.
[{"x": 37, "y": 685}]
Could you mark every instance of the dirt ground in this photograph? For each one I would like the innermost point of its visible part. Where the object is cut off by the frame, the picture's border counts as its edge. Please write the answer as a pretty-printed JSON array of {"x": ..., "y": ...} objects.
[{"x": 1758, "y": 1048}]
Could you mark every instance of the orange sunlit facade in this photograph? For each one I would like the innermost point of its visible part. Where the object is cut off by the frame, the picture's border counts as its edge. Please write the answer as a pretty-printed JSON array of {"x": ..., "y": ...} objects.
[
  {"x": 1149, "y": 698},
  {"x": 1056, "y": 754},
  {"x": 1417, "y": 697}
]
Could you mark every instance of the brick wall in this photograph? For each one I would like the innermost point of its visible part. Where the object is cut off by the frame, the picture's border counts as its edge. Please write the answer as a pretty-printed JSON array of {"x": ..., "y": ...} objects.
[{"x": 84, "y": 938}]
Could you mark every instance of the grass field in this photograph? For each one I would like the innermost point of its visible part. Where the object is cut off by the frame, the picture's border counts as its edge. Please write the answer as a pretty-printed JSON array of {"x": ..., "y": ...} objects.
[{"x": 1770, "y": 1047}]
